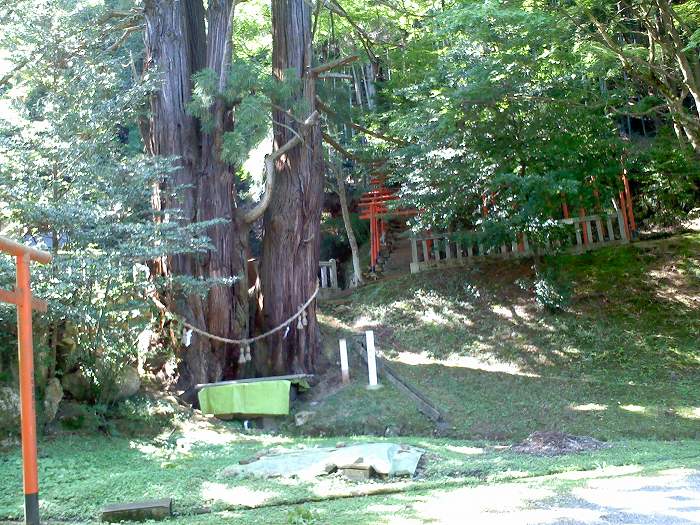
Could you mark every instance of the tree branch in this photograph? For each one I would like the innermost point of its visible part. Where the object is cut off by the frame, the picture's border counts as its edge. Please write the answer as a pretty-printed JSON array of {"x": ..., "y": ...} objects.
[
  {"x": 328, "y": 111},
  {"x": 348, "y": 155},
  {"x": 258, "y": 210},
  {"x": 332, "y": 65}
]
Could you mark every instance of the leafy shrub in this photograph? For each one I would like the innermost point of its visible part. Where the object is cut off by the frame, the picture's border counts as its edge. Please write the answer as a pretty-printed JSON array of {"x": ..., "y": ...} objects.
[{"x": 301, "y": 516}]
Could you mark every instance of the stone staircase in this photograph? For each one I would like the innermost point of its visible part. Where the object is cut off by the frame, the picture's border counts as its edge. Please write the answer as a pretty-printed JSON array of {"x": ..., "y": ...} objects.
[{"x": 395, "y": 255}]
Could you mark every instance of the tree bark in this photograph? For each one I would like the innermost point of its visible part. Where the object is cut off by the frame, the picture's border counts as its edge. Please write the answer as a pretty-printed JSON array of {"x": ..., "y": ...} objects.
[
  {"x": 177, "y": 45},
  {"x": 356, "y": 279},
  {"x": 291, "y": 246}
]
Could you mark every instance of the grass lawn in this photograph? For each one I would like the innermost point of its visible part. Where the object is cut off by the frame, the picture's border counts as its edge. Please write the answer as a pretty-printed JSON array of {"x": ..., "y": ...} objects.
[
  {"x": 622, "y": 360},
  {"x": 621, "y": 363},
  {"x": 79, "y": 474}
]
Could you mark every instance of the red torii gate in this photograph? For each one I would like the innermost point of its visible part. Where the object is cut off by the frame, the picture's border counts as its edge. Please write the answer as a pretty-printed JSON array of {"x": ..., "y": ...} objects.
[
  {"x": 373, "y": 207},
  {"x": 22, "y": 298}
]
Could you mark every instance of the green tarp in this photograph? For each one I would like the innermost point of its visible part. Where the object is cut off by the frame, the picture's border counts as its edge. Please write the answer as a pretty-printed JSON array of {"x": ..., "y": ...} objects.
[{"x": 264, "y": 398}]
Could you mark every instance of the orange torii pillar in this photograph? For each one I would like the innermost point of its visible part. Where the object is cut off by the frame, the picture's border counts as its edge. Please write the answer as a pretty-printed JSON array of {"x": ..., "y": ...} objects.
[{"x": 22, "y": 298}]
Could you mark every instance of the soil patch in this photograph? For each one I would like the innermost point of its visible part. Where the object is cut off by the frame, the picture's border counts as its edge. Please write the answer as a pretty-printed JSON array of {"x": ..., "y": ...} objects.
[{"x": 556, "y": 444}]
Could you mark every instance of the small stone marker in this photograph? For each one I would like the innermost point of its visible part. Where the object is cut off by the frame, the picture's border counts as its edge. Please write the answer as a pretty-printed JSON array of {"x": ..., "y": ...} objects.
[
  {"x": 371, "y": 361},
  {"x": 357, "y": 474},
  {"x": 344, "y": 368},
  {"x": 138, "y": 511}
]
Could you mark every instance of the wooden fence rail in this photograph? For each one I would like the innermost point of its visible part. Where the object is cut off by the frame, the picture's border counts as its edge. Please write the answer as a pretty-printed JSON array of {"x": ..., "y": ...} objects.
[{"x": 581, "y": 234}]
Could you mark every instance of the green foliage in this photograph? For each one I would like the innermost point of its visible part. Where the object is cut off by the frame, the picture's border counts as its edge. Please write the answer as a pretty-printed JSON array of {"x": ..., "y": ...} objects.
[
  {"x": 502, "y": 103},
  {"x": 551, "y": 291},
  {"x": 301, "y": 516},
  {"x": 72, "y": 183},
  {"x": 335, "y": 237},
  {"x": 669, "y": 179}
]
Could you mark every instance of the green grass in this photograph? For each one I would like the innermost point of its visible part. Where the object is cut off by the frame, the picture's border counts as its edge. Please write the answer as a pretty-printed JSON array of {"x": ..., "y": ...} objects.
[
  {"x": 80, "y": 474},
  {"x": 621, "y": 361}
]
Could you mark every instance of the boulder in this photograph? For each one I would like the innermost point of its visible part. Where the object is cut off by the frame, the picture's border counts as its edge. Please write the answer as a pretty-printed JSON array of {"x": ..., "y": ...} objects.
[
  {"x": 53, "y": 394},
  {"x": 128, "y": 384},
  {"x": 76, "y": 416},
  {"x": 9, "y": 411},
  {"x": 303, "y": 417},
  {"x": 78, "y": 386}
]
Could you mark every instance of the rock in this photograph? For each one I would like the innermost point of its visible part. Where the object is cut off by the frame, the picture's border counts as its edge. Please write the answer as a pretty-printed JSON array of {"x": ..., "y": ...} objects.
[
  {"x": 128, "y": 384},
  {"x": 303, "y": 417},
  {"x": 391, "y": 432},
  {"x": 357, "y": 474},
  {"x": 53, "y": 394},
  {"x": 9, "y": 411},
  {"x": 78, "y": 386},
  {"x": 74, "y": 416}
]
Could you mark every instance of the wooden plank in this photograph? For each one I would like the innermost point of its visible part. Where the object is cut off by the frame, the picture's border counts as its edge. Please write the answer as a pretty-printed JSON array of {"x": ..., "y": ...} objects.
[
  {"x": 589, "y": 232},
  {"x": 426, "y": 255},
  {"x": 611, "y": 232},
  {"x": 371, "y": 360},
  {"x": 324, "y": 277},
  {"x": 138, "y": 511},
  {"x": 414, "y": 250},
  {"x": 425, "y": 406},
  {"x": 599, "y": 229},
  {"x": 334, "y": 273},
  {"x": 436, "y": 248},
  {"x": 344, "y": 368},
  {"x": 448, "y": 251},
  {"x": 291, "y": 377},
  {"x": 579, "y": 241},
  {"x": 13, "y": 298}
]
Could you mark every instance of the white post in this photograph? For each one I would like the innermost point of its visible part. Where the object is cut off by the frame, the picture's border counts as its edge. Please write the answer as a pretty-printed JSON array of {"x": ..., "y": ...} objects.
[
  {"x": 344, "y": 369},
  {"x": 371, "y": 361}
]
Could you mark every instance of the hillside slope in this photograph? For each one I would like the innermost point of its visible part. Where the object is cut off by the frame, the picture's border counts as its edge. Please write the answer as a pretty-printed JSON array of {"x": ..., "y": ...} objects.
[{"x": 621, "y": 360}]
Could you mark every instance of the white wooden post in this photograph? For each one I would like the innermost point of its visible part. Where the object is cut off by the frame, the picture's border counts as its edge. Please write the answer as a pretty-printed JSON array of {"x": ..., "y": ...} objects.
[
  {"x": 371, "y": 361},
  {"x": 324, "y": 276},
  {"x": 344, "y": 368}
]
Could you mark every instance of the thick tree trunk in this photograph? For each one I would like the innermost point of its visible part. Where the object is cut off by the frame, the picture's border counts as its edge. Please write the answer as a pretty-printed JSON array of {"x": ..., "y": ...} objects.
[
  {"x": 291, "y": 245},
  {"x": 178, "y": 45}
]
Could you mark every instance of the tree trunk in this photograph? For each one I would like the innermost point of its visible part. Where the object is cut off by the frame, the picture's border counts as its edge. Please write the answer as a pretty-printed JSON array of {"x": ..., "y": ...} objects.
[
  {"x": 291, "y": 246},
  {"x": 178, "y": 45},
  {"x": 356, "y": 279}
]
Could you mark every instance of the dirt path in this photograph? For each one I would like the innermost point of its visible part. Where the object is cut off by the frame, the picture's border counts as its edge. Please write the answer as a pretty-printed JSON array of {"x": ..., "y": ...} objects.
[{"x": 667, "y": 498}]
